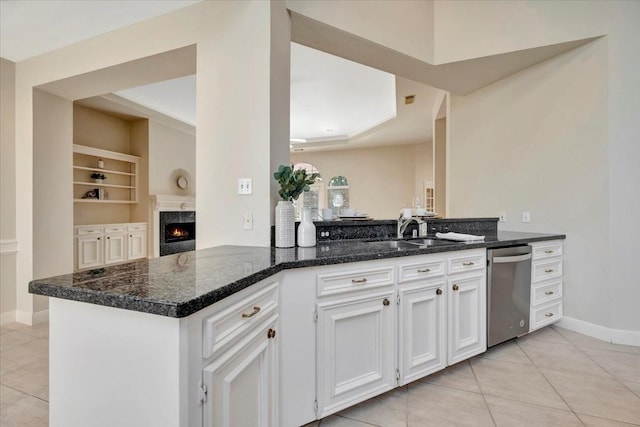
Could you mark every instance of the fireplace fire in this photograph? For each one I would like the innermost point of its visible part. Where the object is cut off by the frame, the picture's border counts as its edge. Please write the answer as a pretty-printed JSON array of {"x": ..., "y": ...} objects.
[{"x": 177, "y": 232}]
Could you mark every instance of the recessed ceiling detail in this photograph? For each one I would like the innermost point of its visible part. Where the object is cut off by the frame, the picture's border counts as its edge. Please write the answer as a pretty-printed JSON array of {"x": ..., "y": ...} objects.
[{"x": 336, "y": 99}]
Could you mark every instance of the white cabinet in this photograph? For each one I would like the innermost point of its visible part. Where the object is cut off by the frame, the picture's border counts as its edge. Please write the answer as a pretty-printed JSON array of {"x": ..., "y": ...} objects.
[
  {"x": 239, "y": 359},
  {"x": 115, "y": 244},
  {"x": 241, "y": 383},
  {"x": 546, "y": 284},
  {"x": 422, "y": 315},
  {"x": 105, "y": 244},
  {"x": 467, "y": 317},
  {"x": 137, "y": 243},
  {"x": 89, "y": 251},
  {"x": 356, "y": 349},
  {"x": 422, "y": 330}
]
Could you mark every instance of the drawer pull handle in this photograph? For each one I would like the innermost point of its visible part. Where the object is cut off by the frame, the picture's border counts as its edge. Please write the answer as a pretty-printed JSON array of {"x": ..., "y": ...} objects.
[
  {"x": 255, "y": 311},
  {"x": 363, "y": 280},
  {"x": 549, "y": 270},
  {"x": 467, "y": 263},
  {"x": 455, "y": 287},
  {"x": 549, "y": 314},
  {"x": 439, "y": 291},
  {"x": 549, "y": 293},
  {"x": 548, "y": 251},
  {"x": 423, "y": 270}
]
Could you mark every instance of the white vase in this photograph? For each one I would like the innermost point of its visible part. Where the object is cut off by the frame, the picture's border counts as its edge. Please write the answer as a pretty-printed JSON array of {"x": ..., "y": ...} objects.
[
  {"x": 306, "y": 230},
  {"x": 285, "y": 225}
]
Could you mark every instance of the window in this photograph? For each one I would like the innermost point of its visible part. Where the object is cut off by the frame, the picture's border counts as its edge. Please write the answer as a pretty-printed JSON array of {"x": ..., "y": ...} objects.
[{"x": 314, "y": 198}]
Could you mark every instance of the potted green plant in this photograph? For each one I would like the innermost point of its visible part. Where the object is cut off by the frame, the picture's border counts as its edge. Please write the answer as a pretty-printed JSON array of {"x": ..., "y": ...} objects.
[
  {"x": 98, "y": 177},
  {"x": 292, "y": 184}
]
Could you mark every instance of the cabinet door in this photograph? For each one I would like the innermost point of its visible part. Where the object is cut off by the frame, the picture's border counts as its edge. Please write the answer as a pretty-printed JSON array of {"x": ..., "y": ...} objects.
[
  {"x": 115, "y": 248},
  {"x": 242, "y": 382},
  {"x": 90, "y": 252},
  {"x": 467, "y": 317},
  {"x": 356, "y": 350},
  {"x": 422, "y": 331},
  {"x": 137, "y": 245}
]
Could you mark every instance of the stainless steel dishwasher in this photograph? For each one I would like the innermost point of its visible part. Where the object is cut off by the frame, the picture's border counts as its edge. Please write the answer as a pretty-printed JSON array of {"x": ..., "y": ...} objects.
[{"x": 508, "y": 293}]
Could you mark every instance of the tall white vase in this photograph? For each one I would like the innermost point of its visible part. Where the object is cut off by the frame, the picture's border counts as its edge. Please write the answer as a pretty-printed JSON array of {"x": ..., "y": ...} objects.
[
  {"x": 285, "y": 225},
  {"x": 306, "y": 230}
]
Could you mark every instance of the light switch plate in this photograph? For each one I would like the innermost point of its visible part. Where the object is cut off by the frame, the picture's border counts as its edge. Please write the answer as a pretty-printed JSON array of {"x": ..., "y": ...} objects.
[
  {"x": 526, "y": 216},
  {"x": 245, "y": 186}
]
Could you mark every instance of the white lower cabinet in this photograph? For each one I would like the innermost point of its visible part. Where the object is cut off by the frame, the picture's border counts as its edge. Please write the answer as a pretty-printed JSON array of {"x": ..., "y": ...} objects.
[
  {"x": 89, "y": 252},
  {"x": 105, "y": 244},
  {"x": 422, "y": 330},
  {"x": 467, "y": 300},
  {"x": 356, "y": 349},
  {"x": 241, "y": 384},
  {"x": 546, "y": 284}
]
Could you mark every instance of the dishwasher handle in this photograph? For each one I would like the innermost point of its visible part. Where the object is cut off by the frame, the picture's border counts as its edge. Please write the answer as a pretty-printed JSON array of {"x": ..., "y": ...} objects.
[{"x": 506, "y": 259}]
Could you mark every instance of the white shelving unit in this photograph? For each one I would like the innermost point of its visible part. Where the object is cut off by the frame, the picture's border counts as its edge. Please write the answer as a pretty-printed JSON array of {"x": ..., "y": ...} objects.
[{"x": 119, "y": 168}]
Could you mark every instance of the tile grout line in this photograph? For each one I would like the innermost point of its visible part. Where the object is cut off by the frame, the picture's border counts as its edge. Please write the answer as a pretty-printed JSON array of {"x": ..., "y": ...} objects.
[
  {"x": 484, "y": 398},
  {"x": 550, "y": 384},
  {"x": 24, "y": 392}
]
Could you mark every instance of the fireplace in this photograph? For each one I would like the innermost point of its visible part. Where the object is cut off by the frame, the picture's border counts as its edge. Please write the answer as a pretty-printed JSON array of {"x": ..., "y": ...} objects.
[{"x": 177, "y": 232}]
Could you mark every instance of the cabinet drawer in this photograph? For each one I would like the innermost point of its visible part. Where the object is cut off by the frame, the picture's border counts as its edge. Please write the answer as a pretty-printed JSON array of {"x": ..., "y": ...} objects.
[
  {"x": 545, "y": 315},
  {"x": 224, "y": 328},
  {"x": 422, "y": 270},
  {"x": 546, "y": 249},
  {"x": 115, "y": 228},
  {"x": 545, "y": 292},
  {"x": 83, "y": 231},
  {"x": 134, "y": 227},
  {"x": 354, "y": 280},
  {"x": 546, "y": 269},
  {"x": 468, "y": 262}
]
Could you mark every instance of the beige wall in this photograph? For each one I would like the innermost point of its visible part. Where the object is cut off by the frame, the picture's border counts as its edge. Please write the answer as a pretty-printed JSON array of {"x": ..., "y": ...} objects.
[
  {"x": 53, "y": 170},
  {"x": 440, "y": 165},
  {"x": 475, "y": 28},
  {"x": 8, "y": 243},
  {"x": 407, "y": 29},
  {"x": 624, "y": 164},
  {"x": 139, "y": 137},
  {"x": 100, "y": 130},
  {"x": 423, "y": 164},
  {"x": 537, "y": 142},
  {"x": 381, "y": 179},
  {"x": 170, "y": 149}
]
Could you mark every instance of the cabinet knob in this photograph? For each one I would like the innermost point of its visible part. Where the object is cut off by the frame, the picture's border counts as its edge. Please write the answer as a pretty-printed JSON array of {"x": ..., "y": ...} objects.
[
  {"x": 271, "y": 333},
  {"x": 455, "y": 287},
  {"x": 385, "y": 302},
  {"x": 98, "y": 238},
  {"x": 108, "y": 237},
  {"x": 439, "y": 291}
]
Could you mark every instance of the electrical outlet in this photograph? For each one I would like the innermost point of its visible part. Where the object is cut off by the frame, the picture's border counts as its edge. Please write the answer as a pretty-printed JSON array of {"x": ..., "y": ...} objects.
[
  {"x": 503, "y": 216},
  {"x": 247, "y": 221},
  {"x": 526, "y": 216},
  {"x": 245, "y": 186}
]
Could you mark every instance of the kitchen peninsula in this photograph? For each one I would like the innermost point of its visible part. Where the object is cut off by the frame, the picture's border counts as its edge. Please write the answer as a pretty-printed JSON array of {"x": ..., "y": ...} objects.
[{"x": 237, "y": 336}]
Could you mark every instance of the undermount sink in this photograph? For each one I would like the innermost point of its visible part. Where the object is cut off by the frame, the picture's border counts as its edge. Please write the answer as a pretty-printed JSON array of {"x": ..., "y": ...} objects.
[{"x": 409, "y": 244}]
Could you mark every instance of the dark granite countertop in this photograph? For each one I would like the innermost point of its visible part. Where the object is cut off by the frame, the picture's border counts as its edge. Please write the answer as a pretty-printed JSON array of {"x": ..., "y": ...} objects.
[{"x": 182, "y": 284}]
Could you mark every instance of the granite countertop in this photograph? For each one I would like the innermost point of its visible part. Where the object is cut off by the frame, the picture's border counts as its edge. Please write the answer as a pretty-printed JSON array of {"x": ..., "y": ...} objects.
[{"x": 182, "y": 284}]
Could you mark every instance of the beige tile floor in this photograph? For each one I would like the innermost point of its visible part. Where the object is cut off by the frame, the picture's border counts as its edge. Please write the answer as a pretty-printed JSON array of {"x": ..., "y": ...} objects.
[{"x": 553, "y": 377}]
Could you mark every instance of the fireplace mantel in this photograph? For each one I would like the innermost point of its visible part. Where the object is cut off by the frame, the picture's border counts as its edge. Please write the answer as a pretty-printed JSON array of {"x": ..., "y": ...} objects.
[
  {"x": 169, "y": 202},
  {"x": 165, "y": 203}
]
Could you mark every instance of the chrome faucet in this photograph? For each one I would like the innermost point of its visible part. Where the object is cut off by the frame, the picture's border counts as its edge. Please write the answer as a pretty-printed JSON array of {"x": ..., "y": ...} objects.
[{"x": 404, "y": 223}]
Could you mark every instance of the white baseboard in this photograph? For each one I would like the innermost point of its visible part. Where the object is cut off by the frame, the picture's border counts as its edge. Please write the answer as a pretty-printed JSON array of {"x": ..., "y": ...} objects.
[
  {"x": 616, "y": 336},
  {"x": 7, "y": 317},
  {"x": 32, "y": 318}
]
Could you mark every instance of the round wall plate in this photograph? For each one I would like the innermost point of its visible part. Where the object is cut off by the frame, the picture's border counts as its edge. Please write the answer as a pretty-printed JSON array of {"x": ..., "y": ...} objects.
[{"x": 182, "y": 182}]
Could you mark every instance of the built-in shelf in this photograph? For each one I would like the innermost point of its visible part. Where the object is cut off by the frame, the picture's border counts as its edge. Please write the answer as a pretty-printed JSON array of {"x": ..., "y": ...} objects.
[{"x": 119, "y": 168}]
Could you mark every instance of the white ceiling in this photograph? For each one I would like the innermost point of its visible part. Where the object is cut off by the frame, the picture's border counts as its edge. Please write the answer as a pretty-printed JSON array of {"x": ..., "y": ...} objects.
[{"x": 334, "y": 101}]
